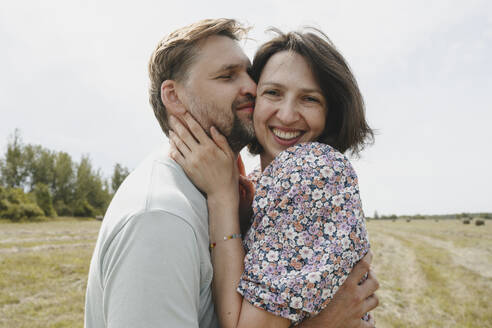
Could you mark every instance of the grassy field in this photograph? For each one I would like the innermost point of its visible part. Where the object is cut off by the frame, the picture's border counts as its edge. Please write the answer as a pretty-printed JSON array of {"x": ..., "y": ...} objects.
[
  {"x": 43, "y": 272},
  {"x": 432, "y": 274}
]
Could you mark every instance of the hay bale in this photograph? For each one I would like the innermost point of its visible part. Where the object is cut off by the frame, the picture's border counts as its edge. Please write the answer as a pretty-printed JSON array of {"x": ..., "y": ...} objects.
[
  {"x": 408, "y": 220},
  {"x": 466, "y": 221},
  {"x": 479, "y": 222}
]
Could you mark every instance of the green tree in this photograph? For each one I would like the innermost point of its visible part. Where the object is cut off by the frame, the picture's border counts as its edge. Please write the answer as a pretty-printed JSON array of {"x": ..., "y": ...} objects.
[
  {"x": 91, "y": 193},
  {"x": 119, "y": 174},
  {"x": 44, "y": 199},
  {"x": 63, "y": 184},
  {"x": 12, "y": 168},
  {"x": 83, "y": 178},
  {"x": 54, "y": 182},
  {"x": 40, "y": 166},
  {"x": 99, "y": 195}
]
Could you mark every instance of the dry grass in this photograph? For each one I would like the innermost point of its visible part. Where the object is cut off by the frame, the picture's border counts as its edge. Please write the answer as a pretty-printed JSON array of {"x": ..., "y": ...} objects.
[
  {"x": 43, "y": 272},
  {"x": 432, "y": 274}
]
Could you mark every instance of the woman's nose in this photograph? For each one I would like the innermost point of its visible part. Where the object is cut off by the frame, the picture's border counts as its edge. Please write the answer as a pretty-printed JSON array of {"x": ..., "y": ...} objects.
[{"x": 287, "y": 112}]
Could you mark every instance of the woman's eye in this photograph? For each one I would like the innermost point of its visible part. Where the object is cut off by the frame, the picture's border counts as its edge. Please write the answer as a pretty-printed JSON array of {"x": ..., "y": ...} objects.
[
  {"x": 225, "y": 77},
  {"x": 312, "y": 99}
]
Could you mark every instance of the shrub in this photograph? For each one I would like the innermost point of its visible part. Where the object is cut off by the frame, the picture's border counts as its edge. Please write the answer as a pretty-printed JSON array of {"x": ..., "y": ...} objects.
[
  {"x": 83, "y": 208},
  {"x": 63, "y": 209},
  {"x": 16, "y": 206},
  {"x": 22, "y": 212},
  {"x": 466, "y": 221},
  {"x": 17, "y": 196},
  {"x": 44, "y": 199},
  {"x": 479, "y": 222},
  {"x": 31, "y": 212}
]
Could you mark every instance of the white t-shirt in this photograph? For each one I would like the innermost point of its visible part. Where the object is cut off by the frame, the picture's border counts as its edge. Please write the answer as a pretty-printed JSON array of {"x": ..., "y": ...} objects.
[{"x": 151, "y": 265}]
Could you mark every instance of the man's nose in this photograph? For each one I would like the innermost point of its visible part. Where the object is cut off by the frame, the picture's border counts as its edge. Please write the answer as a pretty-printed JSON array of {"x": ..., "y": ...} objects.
[
  {"x": 287, "y": 112},
  {"x": 248, "y": 87}
]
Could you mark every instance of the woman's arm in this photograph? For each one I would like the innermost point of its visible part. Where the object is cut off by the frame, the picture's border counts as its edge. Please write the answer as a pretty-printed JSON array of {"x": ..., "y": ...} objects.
[{"x": 211, "y": 165}]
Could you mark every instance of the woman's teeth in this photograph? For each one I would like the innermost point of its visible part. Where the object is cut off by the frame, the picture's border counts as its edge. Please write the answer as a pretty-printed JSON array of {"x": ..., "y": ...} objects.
[{"x": 286, "y": 134}]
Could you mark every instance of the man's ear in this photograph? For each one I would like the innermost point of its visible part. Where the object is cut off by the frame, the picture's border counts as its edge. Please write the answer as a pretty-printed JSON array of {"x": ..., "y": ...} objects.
[{"x": 170, "y": 99}]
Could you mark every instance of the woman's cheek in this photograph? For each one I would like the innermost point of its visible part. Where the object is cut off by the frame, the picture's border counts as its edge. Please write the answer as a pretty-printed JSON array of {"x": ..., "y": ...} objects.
[{"x": 260, "y": 116}]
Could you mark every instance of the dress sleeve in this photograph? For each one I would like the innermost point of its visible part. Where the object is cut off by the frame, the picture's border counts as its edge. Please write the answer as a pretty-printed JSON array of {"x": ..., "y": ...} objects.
[
  {"x": 308, "y": 232},
  {"x": 254, "y": 176}
]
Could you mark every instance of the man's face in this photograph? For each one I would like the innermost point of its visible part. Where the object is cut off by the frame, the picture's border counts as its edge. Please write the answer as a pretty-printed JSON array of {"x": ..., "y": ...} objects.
[{"x": 218, "y": 90}]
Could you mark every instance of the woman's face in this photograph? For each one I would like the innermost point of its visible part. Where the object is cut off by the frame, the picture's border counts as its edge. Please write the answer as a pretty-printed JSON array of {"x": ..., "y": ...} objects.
[{"x": 290, "y": 107}]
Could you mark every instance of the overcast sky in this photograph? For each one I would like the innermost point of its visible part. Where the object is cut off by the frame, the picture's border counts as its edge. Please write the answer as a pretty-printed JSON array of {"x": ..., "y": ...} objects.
[{"x": 73, "y": 77}]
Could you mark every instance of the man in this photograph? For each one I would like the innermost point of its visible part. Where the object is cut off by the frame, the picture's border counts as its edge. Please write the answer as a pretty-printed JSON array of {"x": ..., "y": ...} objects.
[{"x": 151, "y": 265}]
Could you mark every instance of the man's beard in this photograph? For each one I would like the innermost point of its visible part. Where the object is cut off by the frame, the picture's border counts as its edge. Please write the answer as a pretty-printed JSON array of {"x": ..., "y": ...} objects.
[
  {"x": 238, "y": 133},
  {"x": 241, "y": 134}
]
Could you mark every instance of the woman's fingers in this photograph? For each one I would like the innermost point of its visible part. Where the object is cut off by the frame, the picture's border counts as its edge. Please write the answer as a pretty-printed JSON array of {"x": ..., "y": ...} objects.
[
  {"x": 175, "y": 154},
  {"x": 195, "y": 128},
  {"x": 220, "y": 140},
  {"x": 182, "y": 132},
  {"x": 178, "y": 144}
]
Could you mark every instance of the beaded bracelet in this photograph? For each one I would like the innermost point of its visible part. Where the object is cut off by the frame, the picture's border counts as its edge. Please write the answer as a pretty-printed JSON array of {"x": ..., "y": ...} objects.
[{"x": 233, "y": 236}]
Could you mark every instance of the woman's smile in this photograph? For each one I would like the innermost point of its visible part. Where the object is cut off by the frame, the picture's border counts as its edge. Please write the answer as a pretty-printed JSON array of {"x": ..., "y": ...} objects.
[
  {"x": 290, "y": 107},
  {"x": 285, "y": 136}
]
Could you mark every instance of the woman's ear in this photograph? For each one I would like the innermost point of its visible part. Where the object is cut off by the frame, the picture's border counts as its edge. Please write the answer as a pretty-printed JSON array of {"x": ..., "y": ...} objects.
[{"x": 170, "y": 99}]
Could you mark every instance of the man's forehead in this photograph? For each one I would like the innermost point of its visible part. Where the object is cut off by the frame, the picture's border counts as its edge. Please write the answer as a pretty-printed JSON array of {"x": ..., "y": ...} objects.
[{"x": 222, "y": 53}]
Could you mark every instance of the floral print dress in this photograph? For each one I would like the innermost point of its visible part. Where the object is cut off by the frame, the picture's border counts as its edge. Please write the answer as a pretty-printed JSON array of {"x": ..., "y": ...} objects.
[{"x": 308, "y": 231}]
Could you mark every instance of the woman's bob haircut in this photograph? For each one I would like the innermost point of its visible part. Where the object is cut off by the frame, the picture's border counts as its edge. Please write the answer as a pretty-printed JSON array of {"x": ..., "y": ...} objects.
[{"x": 346, "y": 127}]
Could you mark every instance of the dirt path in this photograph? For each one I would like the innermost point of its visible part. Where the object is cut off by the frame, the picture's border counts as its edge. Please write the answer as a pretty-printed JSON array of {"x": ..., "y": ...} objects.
[
  {"x": 401, "y": 280},
  {"x": 40, "y": 248},
  {"x": 474, "y": 259},
  {"x": 43, "y": 239}
]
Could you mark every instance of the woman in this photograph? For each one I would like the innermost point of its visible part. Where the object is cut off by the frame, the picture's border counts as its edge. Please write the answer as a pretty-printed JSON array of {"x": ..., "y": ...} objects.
[{"x": 307, "y": 229}]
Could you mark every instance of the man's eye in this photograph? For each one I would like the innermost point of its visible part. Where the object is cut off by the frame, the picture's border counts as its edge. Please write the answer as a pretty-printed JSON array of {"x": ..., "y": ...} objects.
[
  {"x": 226, "y": 76},
  {"x": 271, "y": 92}
]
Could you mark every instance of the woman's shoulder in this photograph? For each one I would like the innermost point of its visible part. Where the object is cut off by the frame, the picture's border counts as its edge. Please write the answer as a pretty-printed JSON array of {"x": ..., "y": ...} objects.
[
  {"x": 314, "y": 147},
  {"x": 310, "y": 152},
  {"x": 254, "y": 175},
  {"x": 311, "y": 158}
]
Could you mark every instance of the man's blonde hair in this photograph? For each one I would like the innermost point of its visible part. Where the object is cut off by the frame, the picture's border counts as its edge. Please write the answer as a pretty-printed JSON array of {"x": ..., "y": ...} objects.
[{"x": 175, "y": 53}]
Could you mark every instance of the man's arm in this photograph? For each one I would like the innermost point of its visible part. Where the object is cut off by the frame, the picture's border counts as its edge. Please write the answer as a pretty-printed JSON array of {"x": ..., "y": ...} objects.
[
  {"x": 351, "y": 301},
  {"x": 151, "y": 274},
  {"x": 349, "y": 304}
]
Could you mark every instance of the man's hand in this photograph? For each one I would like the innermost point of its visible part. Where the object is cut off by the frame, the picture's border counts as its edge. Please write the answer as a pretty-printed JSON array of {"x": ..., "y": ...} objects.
[{"x": 351, "y": 301}]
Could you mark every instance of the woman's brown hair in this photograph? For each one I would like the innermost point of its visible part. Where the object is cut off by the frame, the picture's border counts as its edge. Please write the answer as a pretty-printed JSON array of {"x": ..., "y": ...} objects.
[{"x": 346, "y": 127}]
